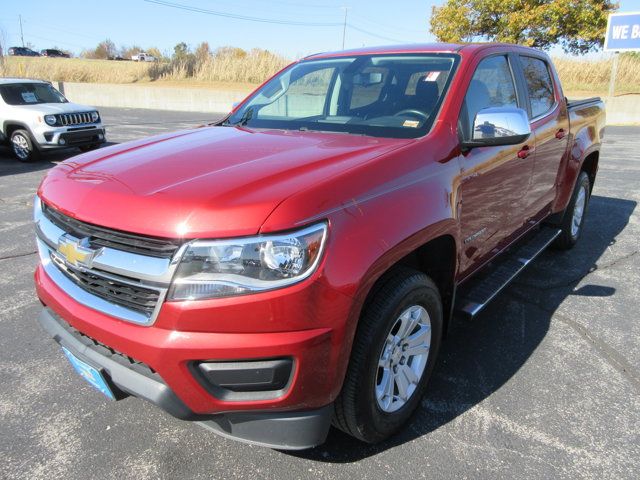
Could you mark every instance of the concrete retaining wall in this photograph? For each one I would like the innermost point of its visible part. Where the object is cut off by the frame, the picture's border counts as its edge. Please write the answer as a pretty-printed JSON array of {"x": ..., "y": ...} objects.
[
  {"x": 623, "y": 110},
  {"x": 152, "y": 97}
]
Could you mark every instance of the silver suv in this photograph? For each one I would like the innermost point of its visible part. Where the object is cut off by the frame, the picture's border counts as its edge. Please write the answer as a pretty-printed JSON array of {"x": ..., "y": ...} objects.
[{"x": 35, "y": 117}]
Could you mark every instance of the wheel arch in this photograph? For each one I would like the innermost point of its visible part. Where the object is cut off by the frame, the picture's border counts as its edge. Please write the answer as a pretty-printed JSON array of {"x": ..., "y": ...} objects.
[
  {"x": 437, "y": 258},
  {"x": 590, "y": 167},
  {"x": 11, "y": 126}
]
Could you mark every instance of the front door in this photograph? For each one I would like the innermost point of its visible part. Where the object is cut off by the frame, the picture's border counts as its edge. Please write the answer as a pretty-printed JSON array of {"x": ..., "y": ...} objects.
[{"x": 495, "y": 180}]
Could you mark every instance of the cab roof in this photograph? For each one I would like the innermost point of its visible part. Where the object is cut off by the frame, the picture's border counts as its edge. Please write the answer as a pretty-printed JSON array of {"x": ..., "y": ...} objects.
[{"x": 416, "y": 48}]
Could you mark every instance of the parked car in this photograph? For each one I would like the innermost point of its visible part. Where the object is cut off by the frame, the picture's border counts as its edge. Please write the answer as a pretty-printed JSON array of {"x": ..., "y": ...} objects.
[
  {"x": 22, "y": 52},
  {"x": 35, "y": 117},
  {"x": 143, "y": 57},
  {"x": 300, "y": 262},
  {"x": 52, "y": 52}
]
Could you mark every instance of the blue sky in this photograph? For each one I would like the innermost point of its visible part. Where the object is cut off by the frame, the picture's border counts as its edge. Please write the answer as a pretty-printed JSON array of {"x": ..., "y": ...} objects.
[{"x": 75, "y": 25}]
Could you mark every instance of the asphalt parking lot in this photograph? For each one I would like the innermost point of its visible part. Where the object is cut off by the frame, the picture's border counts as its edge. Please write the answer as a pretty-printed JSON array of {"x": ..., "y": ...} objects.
[{"x": 545, "y": 384}]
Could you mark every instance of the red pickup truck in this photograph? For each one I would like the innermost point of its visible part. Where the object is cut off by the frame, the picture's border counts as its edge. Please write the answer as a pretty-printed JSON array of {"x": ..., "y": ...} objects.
[{"x": 299, "y": 263}]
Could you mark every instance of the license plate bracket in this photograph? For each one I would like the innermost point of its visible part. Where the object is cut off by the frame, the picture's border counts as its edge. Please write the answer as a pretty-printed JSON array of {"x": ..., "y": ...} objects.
[{"x": 92, "y": 375}]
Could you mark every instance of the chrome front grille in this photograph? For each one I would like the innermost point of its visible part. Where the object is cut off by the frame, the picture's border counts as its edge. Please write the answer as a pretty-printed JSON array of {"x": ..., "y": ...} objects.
[
  {"x": 105, "y": 237},
  {"x": 124, "y": 275},
  {"x": 65, "y": 119},
  {"x": 111, "y": 288}
]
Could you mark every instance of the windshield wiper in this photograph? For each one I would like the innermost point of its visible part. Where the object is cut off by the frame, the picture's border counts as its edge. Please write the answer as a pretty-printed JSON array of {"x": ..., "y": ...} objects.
[{"x": 246, "y": 116}]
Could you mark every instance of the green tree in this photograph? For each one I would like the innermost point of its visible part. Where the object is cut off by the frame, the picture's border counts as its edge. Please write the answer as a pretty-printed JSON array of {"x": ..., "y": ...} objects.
[
  {"x": 181, "y": 51},
  {"x": 576, "y": 25},
  {"x": 155, "y": 51},
  {"x": 105, "y": 49}
]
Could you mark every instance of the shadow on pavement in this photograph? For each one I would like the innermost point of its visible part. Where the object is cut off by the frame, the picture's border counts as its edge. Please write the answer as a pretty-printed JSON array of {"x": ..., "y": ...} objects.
[
  {"x": 479, "y": 357},
  {"x": 10, "y": 166}
]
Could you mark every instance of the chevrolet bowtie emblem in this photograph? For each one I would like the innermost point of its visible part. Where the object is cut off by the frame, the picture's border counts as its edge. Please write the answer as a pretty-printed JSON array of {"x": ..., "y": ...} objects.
[{"x": 74, "y": 253}]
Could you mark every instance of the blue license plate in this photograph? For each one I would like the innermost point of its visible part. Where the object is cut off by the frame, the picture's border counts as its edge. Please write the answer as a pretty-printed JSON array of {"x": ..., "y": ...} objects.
[{"x": 90, "y": 374}]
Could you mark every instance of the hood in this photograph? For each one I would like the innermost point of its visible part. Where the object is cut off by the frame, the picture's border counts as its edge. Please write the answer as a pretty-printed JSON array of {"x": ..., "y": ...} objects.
[
  {"x": 53, "y": 108},
  {"x": 204, "y": 183}
]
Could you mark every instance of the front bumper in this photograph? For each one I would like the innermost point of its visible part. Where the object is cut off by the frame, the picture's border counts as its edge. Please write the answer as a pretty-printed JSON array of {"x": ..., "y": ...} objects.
[
  {"x": 285, "y": 430},
  {"x": 65, "y": 137}
]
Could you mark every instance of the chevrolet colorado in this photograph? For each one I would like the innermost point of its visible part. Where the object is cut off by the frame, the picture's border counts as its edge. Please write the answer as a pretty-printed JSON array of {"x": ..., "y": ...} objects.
[{"x": 298, "y": 263}]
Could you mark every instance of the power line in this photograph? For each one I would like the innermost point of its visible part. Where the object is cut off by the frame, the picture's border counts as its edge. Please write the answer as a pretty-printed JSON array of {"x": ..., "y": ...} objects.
[
  {"x": 343, "y": 24},
  {"x": 243, "y": 17},
  {"x": 382, "y": 37},
  {"x": 387, "y": 26}
]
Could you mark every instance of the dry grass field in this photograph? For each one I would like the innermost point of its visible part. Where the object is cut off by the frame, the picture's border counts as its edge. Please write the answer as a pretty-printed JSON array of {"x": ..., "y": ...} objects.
[
  {"x": 224, "y": 70},
  {"x": 227, "y": 67},
  {"x": 581, "y": 77}
]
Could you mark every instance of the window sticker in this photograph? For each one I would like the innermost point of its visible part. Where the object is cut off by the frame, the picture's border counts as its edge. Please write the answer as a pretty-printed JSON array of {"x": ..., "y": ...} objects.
[
  {"x": 29, "y": 97},
  {"x": 411, "y": 123},
  {"x": 432, "y": 76}
]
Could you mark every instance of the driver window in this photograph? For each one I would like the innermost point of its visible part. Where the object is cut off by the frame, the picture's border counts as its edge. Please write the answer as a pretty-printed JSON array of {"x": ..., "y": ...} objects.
[
  {"x": 491, "y": 86},
  {"x": 305, "y": 96}
]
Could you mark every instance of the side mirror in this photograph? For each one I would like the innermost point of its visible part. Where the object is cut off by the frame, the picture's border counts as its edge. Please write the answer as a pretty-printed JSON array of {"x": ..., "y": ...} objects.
[{"x": 499, "y": 126}]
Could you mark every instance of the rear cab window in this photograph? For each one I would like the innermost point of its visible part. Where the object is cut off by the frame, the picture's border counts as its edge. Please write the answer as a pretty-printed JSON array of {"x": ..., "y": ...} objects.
[{"x": 539, "y": 85}]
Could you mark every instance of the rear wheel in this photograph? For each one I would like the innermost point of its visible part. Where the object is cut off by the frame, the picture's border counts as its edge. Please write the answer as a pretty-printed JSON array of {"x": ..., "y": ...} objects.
[
  {"x": 23, "y": 147},
  {"x": 393, "y": 355},
  {"x": 574, "y": 215}
]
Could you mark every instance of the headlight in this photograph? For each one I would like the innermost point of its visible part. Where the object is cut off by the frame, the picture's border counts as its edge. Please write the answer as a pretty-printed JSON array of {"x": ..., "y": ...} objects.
[
  {"x": 95, "y": 116},
  {"x": 50, "y": 119},
  {"x": 222, "y": 268}
]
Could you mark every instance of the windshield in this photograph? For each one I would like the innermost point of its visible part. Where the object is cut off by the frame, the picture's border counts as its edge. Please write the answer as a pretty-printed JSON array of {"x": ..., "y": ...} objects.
[
  {"x": 378, "y": 95},
  {"x": 30, "y": 93}
]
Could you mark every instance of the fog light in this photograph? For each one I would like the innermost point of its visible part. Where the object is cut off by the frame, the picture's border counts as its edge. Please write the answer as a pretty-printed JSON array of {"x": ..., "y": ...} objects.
[
  {"x": 100, "y": 136},
  {"x": 247, "y": 376},
  {"x": 62, "y": 141}
]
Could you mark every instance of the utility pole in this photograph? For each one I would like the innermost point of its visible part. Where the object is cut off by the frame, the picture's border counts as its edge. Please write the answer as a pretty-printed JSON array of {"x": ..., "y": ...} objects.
[
  {"x": 21, "y": 35},
  {"x": 344, "y": 28},
  {"x": 614, "y": 73}
]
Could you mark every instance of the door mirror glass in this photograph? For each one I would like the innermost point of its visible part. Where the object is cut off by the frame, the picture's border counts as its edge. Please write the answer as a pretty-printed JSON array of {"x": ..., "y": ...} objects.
[{"x": 499, "y": 126}]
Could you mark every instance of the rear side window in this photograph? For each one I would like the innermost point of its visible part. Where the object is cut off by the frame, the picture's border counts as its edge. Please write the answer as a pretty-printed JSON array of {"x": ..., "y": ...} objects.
[
  {"x": 539, "y": 85},
  {"x": 491, "y": 86}
]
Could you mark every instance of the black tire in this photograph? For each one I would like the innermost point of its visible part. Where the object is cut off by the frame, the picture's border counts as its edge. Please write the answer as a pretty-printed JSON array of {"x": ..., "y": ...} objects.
[
  {"x": 88, "y": 148},
  {"x": 570, "y": 233},
  {"x": 357, "y": 409},
  {"x": 23, "y": 147}
]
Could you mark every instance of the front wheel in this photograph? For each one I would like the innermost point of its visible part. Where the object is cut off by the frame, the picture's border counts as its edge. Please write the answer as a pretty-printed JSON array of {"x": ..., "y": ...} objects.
[
  {"x": 574, "y": 215},
  {"x": 88, "y": 148},
  {"x": 23, "y": 147},
  {"x": 393, "y": 355}
]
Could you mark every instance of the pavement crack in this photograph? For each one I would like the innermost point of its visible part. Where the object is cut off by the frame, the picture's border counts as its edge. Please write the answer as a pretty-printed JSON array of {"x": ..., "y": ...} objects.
[
  {"x": 615, "y": 359},
  {"x": 577, "y": 278},
  {"x": 608, "y": 353},
  {"x": 18, "y": 255}
]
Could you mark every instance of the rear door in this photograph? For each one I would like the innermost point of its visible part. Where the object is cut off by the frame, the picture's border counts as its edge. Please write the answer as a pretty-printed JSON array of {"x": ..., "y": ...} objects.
[
  {"x": 550, "y": 122},
  {"x": 495, "y": 180}
]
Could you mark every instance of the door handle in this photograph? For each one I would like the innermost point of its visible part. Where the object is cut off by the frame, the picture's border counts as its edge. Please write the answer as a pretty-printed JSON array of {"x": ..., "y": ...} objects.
[
  {"x": 525, "y": 152},
  {"x": 560, "y": 134}
]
